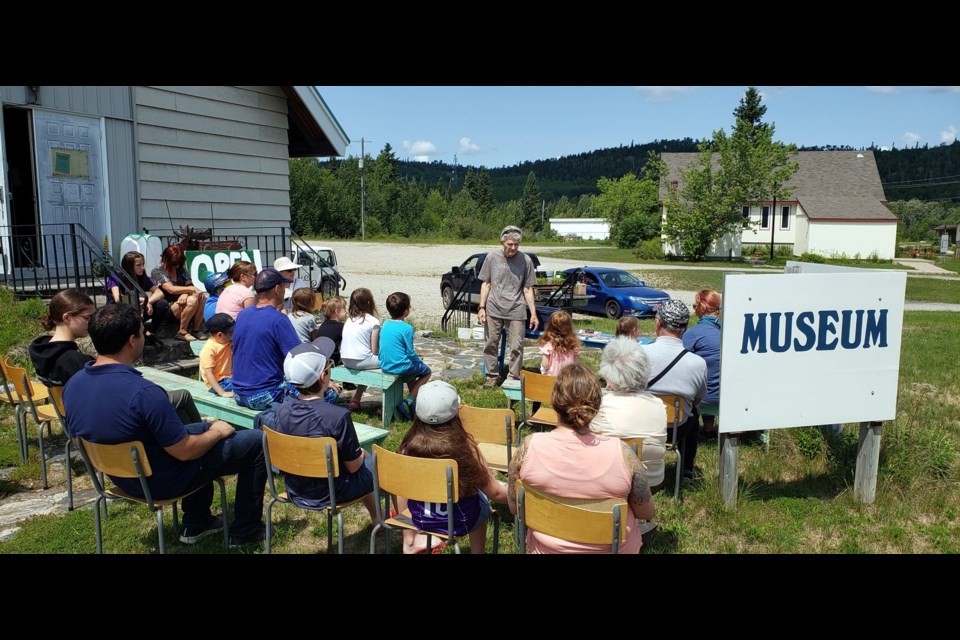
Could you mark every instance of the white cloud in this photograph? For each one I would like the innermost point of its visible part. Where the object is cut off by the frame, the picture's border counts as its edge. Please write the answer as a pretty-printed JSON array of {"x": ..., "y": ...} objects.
[
  {"x": 944, "y": 89},
  {"x": 421, "y": 150},
  {"x": 467, "y": 146},
  {"x": 910, "y": 138},
  {"x": 884, "y": 90},
  {"x": 948, "y": 135},
  {"x": 663, "y": 94}
]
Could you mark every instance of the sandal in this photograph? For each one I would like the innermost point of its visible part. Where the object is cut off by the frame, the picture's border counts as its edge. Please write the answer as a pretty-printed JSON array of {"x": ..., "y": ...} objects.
[
  {"x": 437, "y": 549},
  {"x": 183, "y": 336}
]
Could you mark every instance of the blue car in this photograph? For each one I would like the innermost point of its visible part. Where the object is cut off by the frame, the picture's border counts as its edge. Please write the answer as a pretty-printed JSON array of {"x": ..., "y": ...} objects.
[{"x": 619, "y": 293}]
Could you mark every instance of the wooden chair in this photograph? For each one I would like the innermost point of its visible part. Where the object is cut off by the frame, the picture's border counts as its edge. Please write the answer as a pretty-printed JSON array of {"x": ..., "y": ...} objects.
[
  {"x": 537, "y": 388},
  {"x": 574, "y": 519},
  {"x": 425, "y": 479},
  {"x": 129, "y": 460},
  {"x": 11, "y": 376},
  {"x": 636, "y": 444},
  {"x": 493, "y": 431},
  {"x": 43, "y": 414},
  {"x": 309, "y": 457},
  {"x": 675, "y": 417}
]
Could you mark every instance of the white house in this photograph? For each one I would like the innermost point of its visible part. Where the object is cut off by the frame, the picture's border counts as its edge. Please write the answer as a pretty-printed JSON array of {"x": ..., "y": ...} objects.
[
  {"x": 584, "y": 228},
  {"x": 837, "y": 208}
]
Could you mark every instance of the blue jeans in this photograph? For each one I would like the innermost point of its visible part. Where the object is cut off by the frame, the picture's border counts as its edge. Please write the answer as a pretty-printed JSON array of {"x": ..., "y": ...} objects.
[
  {"x": 241, "y": 454},
  {"x": 263, "y": 399},
  {"x": 225, "y": 383}
]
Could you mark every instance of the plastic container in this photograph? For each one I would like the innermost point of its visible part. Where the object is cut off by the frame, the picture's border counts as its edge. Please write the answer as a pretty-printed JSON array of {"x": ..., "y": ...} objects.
[
  {"x": 463, "y": 333},
  {"x": 478, "y": 333}
]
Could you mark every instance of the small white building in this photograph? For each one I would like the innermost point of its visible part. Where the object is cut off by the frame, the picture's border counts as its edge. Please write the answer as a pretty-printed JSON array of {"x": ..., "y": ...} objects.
[
  {"x": 837, "y": 208},
  {"x": 583, "y": 228}
]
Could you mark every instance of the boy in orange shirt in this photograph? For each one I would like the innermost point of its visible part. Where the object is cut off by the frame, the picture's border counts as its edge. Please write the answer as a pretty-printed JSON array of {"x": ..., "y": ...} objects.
[{"x": 216, "y": 357}]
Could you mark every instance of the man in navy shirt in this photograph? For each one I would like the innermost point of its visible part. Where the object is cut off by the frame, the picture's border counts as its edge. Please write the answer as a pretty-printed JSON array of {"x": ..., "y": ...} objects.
[{"x": 109, "y": 401}]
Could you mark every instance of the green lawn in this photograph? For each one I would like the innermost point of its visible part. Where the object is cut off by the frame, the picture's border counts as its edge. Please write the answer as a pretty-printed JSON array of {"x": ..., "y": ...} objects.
[{"x": 794, "y": 498}]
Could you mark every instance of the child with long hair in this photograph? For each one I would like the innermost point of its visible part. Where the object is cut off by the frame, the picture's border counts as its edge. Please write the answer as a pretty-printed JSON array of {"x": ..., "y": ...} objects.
[
  {"x": 57, "y": 357},
  {"x": 559, "y": 345},
  {"x": 628, "y": 326},
  {"x": 154, "y": 305},
  {"x": 438, "y": 433},
  {"x": 238, "y": 296},
  {"x": 301, "y": 314},
  {"x": 360, "y": 345}
]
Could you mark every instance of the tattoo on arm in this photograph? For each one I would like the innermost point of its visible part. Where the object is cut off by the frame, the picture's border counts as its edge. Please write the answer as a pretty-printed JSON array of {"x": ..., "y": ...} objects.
[
  {"x": 639, "y": 488},
  {"x": 514, "y": 472}
]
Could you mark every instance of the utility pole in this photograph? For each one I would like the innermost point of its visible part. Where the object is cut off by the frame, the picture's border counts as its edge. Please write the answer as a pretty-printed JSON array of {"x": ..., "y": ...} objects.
[
  {"x": 363, "y": 195},
  {"x": 773, "y": 218},
  {"x": 543, "y": 210}
]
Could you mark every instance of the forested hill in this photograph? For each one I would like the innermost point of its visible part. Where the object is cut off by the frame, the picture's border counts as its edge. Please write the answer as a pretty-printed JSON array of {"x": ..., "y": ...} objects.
[{"x": 924, "y": 173}]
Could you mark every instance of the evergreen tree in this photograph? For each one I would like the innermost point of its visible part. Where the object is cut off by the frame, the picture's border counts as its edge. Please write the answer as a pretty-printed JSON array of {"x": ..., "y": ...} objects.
[
  {"x": 531, "y": 204},
  {"x": 751, "y": 111}
]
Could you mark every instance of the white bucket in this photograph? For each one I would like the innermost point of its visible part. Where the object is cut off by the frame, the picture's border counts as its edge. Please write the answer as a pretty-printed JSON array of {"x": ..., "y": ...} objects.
[
  {"x": 478, "y": 333},
  {"x": 463, "y": 333}
]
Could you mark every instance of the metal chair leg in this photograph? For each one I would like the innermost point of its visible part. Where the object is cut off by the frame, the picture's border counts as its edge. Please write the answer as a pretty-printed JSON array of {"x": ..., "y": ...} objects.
[
  {"x": 163, "y": 547},
  {"x": 330, "y": 529},
  {"x": 96, "y": 522},
  {"x": 270, "y": 504},
  {"x": 69, "y": 478},
  {"x": 43, "y": 458}
]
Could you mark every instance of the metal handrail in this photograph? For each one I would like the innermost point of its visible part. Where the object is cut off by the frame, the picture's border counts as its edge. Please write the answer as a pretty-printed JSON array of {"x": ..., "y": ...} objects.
[{"x": 459, "y": 305}]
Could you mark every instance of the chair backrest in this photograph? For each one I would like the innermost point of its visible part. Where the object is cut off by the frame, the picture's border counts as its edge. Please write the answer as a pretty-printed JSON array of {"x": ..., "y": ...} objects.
[
  {"x": 117, "y": 459},
  {"x": 300, "y": 455},
  {"x": 488, "y": 425},
  {"x": 317, "y": 301},
  {"x": 674, "y": 404},
  {"x": 9, "y": 396},
  {"x": 636, "y": 444},
  {"x": 536, "y": 386},
  {"x": 23, "y": 386},
  {"x": 423, "y": 479},
  {"x": 577, "y": 520}
]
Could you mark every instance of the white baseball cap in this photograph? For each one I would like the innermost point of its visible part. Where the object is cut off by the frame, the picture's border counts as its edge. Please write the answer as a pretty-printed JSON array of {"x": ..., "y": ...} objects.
[{"x": 437, "y": 402}]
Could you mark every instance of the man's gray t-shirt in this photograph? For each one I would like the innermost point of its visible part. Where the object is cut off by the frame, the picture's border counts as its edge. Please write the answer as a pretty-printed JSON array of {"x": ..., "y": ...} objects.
[
  {"x": 507, "y": 278},
  {"x": 687, "y": 378}
]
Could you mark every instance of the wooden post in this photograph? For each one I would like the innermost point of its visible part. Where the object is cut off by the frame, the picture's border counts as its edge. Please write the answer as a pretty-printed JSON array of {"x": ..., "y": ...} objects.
[
  {"x": 729, "y": 468},
  {"x": 868, "y": 459}
]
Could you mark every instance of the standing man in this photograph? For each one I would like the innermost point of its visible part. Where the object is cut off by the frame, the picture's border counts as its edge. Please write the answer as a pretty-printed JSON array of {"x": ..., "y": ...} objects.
[
  {"x": 506, "y": 295},
  {"x": 262, "y": 337},
  {"x": 109, "y": 401}
]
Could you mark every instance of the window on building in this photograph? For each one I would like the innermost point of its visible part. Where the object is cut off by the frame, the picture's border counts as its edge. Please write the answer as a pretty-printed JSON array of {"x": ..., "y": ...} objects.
[
  {"x": 765, "y": 217},
  {"x": 746, "y": 212},
  {"x": 785, "y": 218}
]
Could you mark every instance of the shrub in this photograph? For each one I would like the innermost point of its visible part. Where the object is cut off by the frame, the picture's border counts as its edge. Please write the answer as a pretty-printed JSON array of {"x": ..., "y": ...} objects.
[
  {"x": 649, "y": 250},
  {"x": 812, "y": 257}
]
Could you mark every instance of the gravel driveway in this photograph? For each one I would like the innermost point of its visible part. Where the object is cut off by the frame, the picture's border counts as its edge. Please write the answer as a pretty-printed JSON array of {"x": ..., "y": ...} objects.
[{"x": 415, "y": 269}]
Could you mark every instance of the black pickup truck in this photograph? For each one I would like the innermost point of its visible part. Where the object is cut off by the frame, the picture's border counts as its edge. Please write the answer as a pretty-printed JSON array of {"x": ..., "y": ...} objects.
[{"x": 451, "y": 281}]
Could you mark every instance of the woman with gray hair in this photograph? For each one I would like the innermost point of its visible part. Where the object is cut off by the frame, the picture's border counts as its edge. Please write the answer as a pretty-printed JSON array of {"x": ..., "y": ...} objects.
[{"x": 628, "y": 410}]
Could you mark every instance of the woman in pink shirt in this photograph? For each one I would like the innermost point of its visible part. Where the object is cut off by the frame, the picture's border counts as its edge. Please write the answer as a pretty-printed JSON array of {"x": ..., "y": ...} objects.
[
  {"x": 238, "y": 295},
  {"x": 573, "y": 462}
]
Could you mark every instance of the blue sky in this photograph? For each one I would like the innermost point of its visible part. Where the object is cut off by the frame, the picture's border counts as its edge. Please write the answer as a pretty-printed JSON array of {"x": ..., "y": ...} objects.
[{"x": 503, "y": 126}]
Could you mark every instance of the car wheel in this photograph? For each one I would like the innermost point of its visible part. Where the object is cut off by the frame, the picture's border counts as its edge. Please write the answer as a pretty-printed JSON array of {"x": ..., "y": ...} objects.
[
  {"x": 447, "y": 296},
  {"x": 328, "y": 288},
  {"x": 613, "y": 309}
]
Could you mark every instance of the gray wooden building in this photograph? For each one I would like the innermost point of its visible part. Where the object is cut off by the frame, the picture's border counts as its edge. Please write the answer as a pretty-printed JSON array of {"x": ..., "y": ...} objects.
[{"x": 120, "y": 159}]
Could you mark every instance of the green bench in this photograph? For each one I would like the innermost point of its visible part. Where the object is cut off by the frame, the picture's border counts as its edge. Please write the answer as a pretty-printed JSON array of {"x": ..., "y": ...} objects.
[
  {"x": 226, "y": 409},
  {"x": 392, "y": 386}
]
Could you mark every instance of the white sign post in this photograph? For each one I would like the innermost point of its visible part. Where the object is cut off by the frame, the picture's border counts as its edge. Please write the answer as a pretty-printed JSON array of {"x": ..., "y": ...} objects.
[{"x": 804, "y": 349}]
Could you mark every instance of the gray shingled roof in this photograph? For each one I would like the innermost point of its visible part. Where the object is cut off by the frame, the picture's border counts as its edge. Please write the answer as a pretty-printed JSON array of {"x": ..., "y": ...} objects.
[{"x": 829, "y": 185}]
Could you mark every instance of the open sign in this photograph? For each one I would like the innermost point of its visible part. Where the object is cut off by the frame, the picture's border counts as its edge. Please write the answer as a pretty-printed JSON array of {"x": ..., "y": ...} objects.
[{"x": 200, "y": 263}]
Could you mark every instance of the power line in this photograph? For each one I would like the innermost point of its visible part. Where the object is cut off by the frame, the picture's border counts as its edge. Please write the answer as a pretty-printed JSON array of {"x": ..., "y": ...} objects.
[
  {"x": 916, "y": 186},
  {"x": 919, "y": 180}
]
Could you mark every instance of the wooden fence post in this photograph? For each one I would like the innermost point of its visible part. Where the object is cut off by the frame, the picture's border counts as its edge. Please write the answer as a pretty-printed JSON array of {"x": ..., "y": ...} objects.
[{"x": 868, "y": 459}]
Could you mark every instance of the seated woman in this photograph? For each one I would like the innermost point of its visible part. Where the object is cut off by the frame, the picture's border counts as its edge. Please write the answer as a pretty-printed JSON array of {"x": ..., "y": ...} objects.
[
  {"x": 628, "y": 410},
  {"x": 186, "y": 301},
  {"x": 153, "y": 306},
  {"x": 438, "y": 433},
  {"x": 573, "y": 462},
  {"x": 56, "y": 357},
  {"x": 238, "y": 295}
]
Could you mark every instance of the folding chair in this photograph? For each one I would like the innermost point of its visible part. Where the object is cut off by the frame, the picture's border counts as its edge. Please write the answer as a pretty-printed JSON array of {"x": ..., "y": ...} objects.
[
  {"x": 537, "y": 388},
  {"x": 425, "y": 479},
  {"x": 309, "y": 457},
  {"x": 129, "y": 460},
  {"x": 42, "y": 414},
  {"x": 11, "y": 376},
  {"x": 492, "y": 429},
  {"x": 676, "y": 417},
  {"x": 574, "y": 519}
]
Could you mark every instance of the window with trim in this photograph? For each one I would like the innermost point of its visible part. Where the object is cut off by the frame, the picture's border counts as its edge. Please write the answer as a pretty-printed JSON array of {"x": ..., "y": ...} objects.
[
  {"x": 746, "y": 212},
  {"x": 785, "y": 218},
  {"x": 765, "y": 217}
]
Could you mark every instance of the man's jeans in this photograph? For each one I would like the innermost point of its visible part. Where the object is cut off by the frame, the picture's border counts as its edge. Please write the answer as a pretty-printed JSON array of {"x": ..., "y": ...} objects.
[
  {"x": 241, "y": 454},
  {"x": 514, "y": 352}
]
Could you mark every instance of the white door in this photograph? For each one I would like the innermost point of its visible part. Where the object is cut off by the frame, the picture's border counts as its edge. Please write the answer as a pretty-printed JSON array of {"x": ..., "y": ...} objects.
[
  {"x": 71, "y": 181},
  {"x": 5, "y": 229}
]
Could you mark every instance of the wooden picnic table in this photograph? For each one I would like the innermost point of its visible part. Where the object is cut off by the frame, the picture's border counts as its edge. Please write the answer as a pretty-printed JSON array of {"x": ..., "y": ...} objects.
[{"x": 226, "y": 409}]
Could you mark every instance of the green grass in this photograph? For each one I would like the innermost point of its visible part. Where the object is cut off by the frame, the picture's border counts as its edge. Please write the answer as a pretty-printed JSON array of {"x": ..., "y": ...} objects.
[
  {"x": 795, "y": 498},
  {"x": 933, "y": 290},
  {"x": 950, "y": 264}
]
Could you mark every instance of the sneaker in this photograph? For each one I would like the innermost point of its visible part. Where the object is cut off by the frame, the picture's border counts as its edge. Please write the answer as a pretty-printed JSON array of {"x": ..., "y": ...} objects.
[
  {"x": 193, "y": 534},
  {"x": 406, "y": 408},
  {"x": 647, "y": 527},
  {"x": 258, "y": 535}
]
